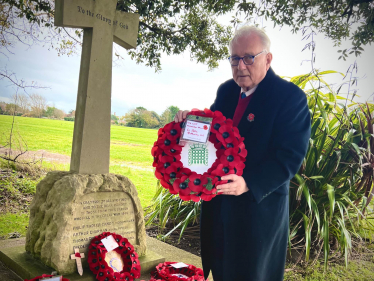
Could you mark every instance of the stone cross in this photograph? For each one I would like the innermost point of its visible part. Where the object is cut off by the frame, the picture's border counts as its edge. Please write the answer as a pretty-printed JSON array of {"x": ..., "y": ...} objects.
[
  {"x": 102, "y": 24},
  {"x": 78, "y": 256}
]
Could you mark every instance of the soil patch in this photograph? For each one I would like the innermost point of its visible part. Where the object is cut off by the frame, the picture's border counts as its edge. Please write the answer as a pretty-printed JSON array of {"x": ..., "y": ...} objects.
[
  {"x": 35, "y": 156},
  {"x": 190, "y": 241}
]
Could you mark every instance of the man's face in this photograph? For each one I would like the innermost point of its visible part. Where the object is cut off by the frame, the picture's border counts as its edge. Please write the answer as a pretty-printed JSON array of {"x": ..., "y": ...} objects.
[{"x": 248, "y": 76}]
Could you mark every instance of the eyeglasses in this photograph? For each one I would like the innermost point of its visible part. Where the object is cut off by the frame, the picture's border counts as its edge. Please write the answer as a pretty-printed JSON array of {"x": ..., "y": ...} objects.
[{"x": 247, "y": 60}]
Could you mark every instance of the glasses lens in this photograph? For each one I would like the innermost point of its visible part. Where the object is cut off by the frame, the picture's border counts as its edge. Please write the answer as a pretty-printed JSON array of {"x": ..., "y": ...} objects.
[
  {"x": 234, "y": 60},
  {"x": 248, "y": 59}
]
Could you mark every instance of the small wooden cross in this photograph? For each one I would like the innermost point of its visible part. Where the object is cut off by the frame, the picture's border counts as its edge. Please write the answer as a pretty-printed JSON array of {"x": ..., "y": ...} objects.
[{"x": 78, "y": 256}]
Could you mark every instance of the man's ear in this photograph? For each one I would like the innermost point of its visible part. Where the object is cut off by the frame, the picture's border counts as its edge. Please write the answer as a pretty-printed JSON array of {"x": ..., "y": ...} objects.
[{"x": 269, "y": 58}]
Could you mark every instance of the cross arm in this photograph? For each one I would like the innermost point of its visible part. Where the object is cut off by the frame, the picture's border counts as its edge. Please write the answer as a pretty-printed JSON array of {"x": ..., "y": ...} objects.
[
  {"x": 74, "y": 13},
  {"x": 126, "y": 26}
]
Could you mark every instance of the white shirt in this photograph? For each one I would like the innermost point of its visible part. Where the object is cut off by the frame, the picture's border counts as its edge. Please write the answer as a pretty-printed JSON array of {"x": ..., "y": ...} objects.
[{"x": 250, "y": 91}]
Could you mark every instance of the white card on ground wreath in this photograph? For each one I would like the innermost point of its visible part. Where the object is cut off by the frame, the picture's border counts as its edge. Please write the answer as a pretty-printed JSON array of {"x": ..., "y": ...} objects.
[
  {"x": 109, "y": 243},
  {"x": 196, "y": 131},
  {"x": 179, "y": 265}
]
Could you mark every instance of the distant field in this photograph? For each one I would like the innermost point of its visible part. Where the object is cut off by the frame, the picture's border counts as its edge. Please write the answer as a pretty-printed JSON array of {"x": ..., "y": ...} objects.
[{"x": 130, "y": 149}]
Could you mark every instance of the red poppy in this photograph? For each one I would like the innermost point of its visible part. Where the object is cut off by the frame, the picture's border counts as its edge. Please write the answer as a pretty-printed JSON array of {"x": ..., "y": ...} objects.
[
  {"x": 165, "y": 143},
  {"x": 185, "y": 197},
  {"x": 207, "y": 197},
  {"x": 196, "y": 182},
  {"x": 135, "y": 270},
  {"x": 158, "y": 174},
  {"x": 174, "y": 150},
  {"x": 155, "y": 150},
  {"x": 184, "y": 189},
  {"x": 222, "y": 170},
  {"x": 172, "y": 130},
  {"x": 194, "y": 197},
  {"x": 217, "y": 123},
  {"x": 251, "y": 117},
  {"x": 185, "y": 171},
  {"x": 172, "y": 171},
  {"x": 129, "y": 247},
  {"x": 242, "y": 151},
  {"x": 225, "y": 134}
]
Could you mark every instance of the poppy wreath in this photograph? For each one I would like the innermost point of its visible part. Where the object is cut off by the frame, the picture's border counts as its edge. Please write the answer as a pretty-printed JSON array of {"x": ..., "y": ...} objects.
[
  {"x": 165, "y": 271},
  {"x": 98, "y": 265},
  {"x": 166, "y": 152}
]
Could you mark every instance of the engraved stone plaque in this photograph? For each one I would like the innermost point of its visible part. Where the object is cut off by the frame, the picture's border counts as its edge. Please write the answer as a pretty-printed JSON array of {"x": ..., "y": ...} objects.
[{"x": 100, "y": 212}]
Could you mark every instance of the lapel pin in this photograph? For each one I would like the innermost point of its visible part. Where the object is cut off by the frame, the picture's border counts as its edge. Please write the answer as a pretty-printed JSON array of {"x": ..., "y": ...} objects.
[{"x": 250, "y": 117}]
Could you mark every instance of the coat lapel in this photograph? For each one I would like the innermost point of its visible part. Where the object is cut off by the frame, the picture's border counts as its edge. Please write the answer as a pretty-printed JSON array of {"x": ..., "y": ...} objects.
[{"x": 256, "y": 104}]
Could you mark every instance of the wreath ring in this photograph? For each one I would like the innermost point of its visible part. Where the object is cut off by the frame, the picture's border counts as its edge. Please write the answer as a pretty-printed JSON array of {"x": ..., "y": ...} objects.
[
  {"x": 98, "y": 265},
  {"x": 165, "y": 271},
  {"x": 189, "y": 185}
]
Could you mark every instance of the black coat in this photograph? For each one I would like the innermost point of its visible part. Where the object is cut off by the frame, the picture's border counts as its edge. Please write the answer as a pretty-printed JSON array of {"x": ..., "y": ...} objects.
[{"x": 249, "y": 233}]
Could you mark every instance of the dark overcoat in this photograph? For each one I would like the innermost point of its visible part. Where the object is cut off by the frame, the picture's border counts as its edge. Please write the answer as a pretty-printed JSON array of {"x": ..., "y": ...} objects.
[{"x": 248, "y": 234}]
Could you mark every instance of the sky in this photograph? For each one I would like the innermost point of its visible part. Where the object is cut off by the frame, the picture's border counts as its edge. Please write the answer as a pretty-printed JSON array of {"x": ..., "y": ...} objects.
[{"x": 182, "y": 82}]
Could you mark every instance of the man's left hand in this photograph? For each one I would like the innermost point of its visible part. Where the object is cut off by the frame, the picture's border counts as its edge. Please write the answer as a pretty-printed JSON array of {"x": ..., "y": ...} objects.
[{"x": 236, "y": 186}]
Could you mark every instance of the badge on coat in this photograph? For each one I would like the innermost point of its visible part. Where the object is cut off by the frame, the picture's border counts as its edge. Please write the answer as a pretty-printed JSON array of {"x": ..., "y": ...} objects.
[{"x": 251, "y": 117}]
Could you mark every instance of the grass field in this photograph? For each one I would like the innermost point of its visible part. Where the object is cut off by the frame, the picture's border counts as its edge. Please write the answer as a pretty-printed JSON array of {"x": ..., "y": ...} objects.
[{"x": 130, "y": 149}]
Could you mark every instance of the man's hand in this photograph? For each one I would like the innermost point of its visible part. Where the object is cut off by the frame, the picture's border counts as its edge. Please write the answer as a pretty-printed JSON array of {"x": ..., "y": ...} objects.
[
  {"x": 236, "y": 186},
  {"x": 181, "y": 115}
]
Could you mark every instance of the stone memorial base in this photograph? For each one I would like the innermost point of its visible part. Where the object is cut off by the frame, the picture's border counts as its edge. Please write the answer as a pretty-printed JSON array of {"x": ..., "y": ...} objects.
[
  {"x": 27, "y": 267},
  {"x": 69, "y": 210}
]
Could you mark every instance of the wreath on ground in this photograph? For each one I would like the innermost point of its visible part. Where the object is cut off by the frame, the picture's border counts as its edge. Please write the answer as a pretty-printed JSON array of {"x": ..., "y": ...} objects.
[
  {"x": 165, "y": 271},
  {"x": 178, "y": 179},
  {"x": 98, "y": 265}
]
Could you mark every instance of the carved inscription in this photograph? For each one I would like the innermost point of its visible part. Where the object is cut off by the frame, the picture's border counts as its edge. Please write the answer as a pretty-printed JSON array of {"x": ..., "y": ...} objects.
[
  {"x": 100, "y": 212},
  {"x": 87, "y": 12}
]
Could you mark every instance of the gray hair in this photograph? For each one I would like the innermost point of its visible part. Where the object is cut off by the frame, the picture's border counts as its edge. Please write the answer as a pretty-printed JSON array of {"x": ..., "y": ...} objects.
[{"x": 247, "y": 30}]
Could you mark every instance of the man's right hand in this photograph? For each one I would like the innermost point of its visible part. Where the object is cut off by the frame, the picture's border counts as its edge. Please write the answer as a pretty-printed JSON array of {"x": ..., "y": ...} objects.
[{"x": 181, "y": 115}]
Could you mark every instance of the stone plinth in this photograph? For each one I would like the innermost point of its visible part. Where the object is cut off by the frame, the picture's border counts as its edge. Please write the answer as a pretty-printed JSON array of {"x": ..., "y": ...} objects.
[{"x": 69, "y": 209}]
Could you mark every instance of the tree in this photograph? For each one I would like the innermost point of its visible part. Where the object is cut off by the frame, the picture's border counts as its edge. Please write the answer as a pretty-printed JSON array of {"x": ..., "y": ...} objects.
[
  {"x": 142, "y": 118},
  {"x": 49, "y": 112},
  {"x": 22, "y": 101},
  {"x": 38, "y": 105},
  {"x": 337, "y": 20},
  {"x": 173, "y": 27},
  {"x": 53, "y": 112},
  {"x": 168, "y": 115}
]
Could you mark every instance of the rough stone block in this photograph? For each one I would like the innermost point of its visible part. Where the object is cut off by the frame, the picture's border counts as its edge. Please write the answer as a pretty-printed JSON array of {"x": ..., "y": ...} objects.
[{"x": 69, "y": 209}]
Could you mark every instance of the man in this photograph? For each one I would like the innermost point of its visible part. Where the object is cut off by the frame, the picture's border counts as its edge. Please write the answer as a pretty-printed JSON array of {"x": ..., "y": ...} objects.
[{"x": 244, "y": 231}]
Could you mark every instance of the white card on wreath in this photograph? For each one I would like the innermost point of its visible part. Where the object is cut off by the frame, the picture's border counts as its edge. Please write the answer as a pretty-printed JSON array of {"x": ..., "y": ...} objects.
[
  {"x": 196, "y": 131},
  {"x": 109, "y": 243},
  {"x": 179, "y": 265}
]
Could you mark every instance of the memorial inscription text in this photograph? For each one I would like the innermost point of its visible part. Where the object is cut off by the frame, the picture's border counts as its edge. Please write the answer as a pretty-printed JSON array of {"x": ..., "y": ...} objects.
[{"x": 113, "y": 212}]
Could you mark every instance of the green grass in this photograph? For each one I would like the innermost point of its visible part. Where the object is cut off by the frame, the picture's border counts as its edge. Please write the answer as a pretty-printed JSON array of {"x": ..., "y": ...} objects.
[
  {"x": 10, "y": 223},
  {"x": 356, "y": 270},
  {"x": 130, "y": 149},
  {"x": 130, "y": 145}
]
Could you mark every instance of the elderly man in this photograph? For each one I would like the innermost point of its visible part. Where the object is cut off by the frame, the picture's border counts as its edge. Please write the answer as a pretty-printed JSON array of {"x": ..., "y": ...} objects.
[{"x": 244, "y": 231}]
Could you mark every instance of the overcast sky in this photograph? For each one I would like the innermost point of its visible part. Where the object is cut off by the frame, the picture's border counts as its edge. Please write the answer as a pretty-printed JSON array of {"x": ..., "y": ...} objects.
[{"x": 182, "y": 82}]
